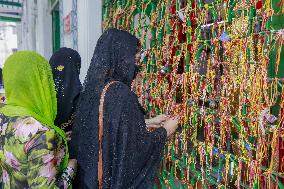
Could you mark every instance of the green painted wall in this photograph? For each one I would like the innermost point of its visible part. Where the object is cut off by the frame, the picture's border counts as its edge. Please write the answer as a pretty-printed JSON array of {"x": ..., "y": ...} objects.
[
  {"x": 277, "y": 23},
  {"x": 55, "y": 25}
]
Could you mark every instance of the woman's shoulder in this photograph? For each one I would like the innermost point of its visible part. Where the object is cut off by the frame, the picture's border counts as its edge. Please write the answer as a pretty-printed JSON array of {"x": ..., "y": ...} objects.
[
  {"x": 119, "y": 86},
  {"x": 23, "y": 127},
  {"x": 121, "y": 92}
]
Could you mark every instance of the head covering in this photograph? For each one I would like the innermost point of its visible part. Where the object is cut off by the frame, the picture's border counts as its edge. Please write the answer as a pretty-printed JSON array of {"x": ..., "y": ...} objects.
[
  {"x": 66, "y": 64},
  {"x": 113, "y": 60},
  {"x": 29, "y": 90}
]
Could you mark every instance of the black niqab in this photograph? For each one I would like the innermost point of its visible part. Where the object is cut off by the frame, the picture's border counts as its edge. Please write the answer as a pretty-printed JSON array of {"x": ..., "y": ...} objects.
[
  {"x": 66, "y": 64},
  {"x": 1, "y": 78},
  {"x": 131, "y": 154}
]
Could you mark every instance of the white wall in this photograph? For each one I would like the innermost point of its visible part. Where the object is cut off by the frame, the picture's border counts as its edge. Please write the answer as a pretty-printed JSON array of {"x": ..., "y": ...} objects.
[
  {"x": 67, "y": 7},
  {"x": 44, "y": 29},
  {"x": 8, "y": 40},
  {"x": 26, "y": 29},
  {"x": 35, "y": 29},
  {"x": 89, "y": 30},
  {"x": 68, "y": 37}
]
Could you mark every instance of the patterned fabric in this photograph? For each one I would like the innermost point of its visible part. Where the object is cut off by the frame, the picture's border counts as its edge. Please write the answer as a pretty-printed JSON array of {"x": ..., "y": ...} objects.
[{"x": 30, "y": 155}]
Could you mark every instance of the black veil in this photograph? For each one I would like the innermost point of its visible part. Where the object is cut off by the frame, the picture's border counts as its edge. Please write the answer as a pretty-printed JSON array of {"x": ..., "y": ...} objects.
[{"x": 66, "y": 64}]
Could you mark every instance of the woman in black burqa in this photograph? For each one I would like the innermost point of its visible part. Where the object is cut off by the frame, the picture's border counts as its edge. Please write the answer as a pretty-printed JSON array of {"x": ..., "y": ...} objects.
[
  {"x": 66, "y": 65},
  {"x": 131, "y": 154}
]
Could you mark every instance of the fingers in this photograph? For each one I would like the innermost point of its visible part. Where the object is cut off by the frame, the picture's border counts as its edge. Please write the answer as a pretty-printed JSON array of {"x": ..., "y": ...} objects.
[
  {"x": 173, "y": 118},
  {"x": 68, "y": 135},
  {"x": 72, "y": 163},
  {"x": 162, "y": 117},
  {"x": 159, "y": 119},
  {"x": 176, "y": 118},
  {"x": 155, "y": 126}
]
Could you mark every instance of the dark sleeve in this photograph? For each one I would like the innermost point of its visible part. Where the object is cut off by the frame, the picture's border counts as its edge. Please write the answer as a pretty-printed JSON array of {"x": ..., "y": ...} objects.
[
  {"x": 138, "y": 151},
  {"x": 73, "y": 150}
]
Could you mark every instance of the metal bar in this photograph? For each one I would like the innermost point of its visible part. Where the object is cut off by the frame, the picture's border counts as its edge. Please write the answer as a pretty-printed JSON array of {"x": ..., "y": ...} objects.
[
  {"x": 9, "y": 19},
  {"x": 16, "y": 4},
  {"x": 10, "y": 10},
  {"x": 10, "y": 16}
]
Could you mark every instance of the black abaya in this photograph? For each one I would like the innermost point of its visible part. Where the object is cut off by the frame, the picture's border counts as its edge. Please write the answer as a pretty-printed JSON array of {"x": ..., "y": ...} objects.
[{"x": 131, "y": 154}]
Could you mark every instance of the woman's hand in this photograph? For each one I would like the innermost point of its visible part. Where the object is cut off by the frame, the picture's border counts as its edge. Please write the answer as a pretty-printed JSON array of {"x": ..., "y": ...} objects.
[
  {"x": 68, "y": 135},
  {"x": 156, "y": 122},
  {"x": 171, "y": 125},
  {"x": 73, "y": 164}
]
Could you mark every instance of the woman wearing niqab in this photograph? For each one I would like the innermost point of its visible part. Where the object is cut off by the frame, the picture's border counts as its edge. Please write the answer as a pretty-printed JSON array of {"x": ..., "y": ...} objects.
[
  {"x": 66, "y": 64},
  {"x": 130, "y": 153}
]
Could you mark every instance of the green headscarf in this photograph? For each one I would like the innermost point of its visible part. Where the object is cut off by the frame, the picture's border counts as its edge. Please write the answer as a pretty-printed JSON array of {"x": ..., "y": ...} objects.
[{"x": 30, "y": 91}]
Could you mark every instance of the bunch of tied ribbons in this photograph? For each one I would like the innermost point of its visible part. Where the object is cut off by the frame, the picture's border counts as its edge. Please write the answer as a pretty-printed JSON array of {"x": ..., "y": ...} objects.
[{"x": 210, "y": 62}]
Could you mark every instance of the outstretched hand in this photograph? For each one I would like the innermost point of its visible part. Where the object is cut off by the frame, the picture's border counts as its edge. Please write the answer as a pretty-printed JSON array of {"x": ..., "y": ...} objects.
[
  {"x": 171, "y": 125},
  {"x": 156, "y": 122}
]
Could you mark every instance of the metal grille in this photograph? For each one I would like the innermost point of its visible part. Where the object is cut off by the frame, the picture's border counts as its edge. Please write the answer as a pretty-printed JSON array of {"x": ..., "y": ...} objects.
[{"x": 11, "y": 10}]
